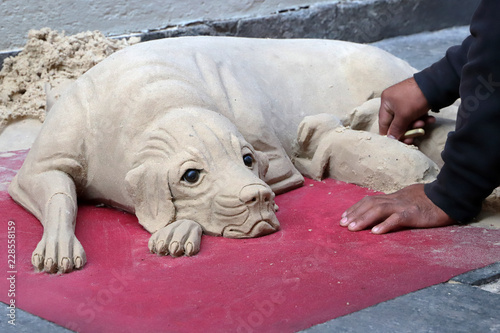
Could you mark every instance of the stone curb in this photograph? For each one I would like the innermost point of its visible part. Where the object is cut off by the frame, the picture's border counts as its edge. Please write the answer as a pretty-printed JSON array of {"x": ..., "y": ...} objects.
[
  {"x": 480, "y": 276},
  {"x": 26, "y": 323},
  {"x": 456, "y": 306},
  {"x": 358, "y": 21},
  {"x": 444, "y": 308}
]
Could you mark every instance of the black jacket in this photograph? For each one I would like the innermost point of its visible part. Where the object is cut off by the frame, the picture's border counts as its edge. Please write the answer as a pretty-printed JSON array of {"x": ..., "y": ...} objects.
[{"x": 472, "y": 152}]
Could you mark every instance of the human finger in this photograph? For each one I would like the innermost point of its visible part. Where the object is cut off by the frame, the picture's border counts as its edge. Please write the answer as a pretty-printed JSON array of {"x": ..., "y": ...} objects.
[
  {"x": 423, "y": 121},
  {"x": 430, "y": 120},
  {"x": 385, "y": 117},
  {"x": 398, "y": 127},
  {"x": 364, "y": 213},
  {"x": 418, "y": 123},
  {"x": 408, "y": 141},
  {"x": 358, "y": 208},
  {"x": 369, "y": 218},
  {"x": 394, "y": 222}
]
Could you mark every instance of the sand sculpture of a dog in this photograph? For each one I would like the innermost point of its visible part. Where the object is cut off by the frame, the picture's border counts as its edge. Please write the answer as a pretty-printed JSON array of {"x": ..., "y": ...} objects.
[{"x": 194, "y": 135}]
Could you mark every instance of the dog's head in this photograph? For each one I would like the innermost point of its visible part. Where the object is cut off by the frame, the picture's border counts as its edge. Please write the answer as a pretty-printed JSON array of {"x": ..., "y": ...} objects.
[{"x": 195, "y": 165}]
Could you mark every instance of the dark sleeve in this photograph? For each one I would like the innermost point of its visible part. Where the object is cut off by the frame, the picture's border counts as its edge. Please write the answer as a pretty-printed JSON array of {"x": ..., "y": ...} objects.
[
  {"x": 472, "y": 153},
  {"x": 440, "y": 82}
]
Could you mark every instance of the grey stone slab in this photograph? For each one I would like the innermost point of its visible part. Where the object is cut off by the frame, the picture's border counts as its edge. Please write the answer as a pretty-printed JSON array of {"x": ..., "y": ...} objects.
[
  {"x": 357, "y": 21},
  {"x": 444, "y": 308},
  {"x": 360, "y": 21},
  {"x": 492, "y": 287},
  {"x": 423, "y": 49},
  {"x": 26, "y": 322},
  {"x": 480, "y": 276}
]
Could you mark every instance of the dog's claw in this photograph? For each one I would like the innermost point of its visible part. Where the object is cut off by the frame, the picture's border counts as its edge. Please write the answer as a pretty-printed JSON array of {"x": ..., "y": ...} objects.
[
  {"x": 188, "y": 250},
  {"x": 65, "y": 265},
  {"x": 64, "y": 260},
  {"x": 151, "y": 245},
  {"x": 38, "y": 261},
  {"x": 50, "y": 267},
  {"x": 173, "y": 249},
  {"x": 159, "y": 247},
  {"x": 177, "y": 238},
  {"x": 78, "y": 263}
]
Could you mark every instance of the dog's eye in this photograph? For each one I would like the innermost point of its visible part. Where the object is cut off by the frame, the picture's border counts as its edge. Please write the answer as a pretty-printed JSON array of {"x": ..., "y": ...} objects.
[
  {"x": 248, "y": 160},
  {"x": 191, "y": 176}
]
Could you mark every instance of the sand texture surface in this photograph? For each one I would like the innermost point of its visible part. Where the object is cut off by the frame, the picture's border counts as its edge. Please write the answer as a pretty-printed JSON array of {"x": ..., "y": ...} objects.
[{"x": 49, "y": 59}]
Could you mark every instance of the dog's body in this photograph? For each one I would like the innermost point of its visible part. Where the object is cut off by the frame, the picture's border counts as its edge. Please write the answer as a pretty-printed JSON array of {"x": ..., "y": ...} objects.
[{"x": 191, "y": 135}]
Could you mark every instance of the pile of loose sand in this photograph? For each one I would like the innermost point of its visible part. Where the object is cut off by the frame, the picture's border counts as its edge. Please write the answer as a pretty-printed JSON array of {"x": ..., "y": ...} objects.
[{"x": 49, "y": 59}]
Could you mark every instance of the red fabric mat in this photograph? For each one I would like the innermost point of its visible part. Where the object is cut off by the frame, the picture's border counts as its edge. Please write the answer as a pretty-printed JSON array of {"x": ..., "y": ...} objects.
[{"x": 311, "y": 271}]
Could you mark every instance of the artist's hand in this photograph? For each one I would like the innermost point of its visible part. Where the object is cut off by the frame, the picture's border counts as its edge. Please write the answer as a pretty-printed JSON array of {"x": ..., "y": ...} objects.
[
  {"x": 407, "y": 208},
  {"x": 403, "y": 107}
]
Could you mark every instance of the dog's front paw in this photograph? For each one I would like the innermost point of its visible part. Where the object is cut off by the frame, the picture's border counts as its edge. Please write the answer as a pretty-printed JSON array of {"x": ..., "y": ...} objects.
[
  {"x": 179, "y": 238},
  {"x": 58, "y": 254}
]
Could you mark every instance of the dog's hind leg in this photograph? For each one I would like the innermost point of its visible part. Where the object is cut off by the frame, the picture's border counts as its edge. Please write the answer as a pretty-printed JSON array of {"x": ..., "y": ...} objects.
[
  {"x": 367, "y": 159},
  {"x": 51, "y": 197}
]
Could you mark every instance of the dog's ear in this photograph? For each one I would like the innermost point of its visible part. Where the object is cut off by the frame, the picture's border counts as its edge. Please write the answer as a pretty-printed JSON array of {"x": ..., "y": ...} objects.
[
  {"x": 147, "y": 184},
  {"x": 263, "y": 162}
]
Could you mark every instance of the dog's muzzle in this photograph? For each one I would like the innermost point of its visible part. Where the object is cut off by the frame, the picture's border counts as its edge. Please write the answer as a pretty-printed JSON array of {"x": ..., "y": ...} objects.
[{"x": 261, "y": 220}]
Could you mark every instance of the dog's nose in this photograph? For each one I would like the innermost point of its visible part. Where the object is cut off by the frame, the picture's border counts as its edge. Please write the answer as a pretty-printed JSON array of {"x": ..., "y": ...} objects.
[
  {"x": 256, "y": 193},
  {"x": 260, "y": 219}
]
